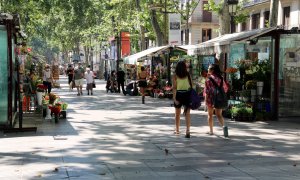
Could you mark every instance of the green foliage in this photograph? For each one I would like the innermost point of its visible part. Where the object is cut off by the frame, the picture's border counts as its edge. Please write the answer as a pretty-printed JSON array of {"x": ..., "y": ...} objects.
[
  {"x": 213, "y": 6},
  {"x": 63, "y": 25},
  {"x": 251, "y": 84},
  {"x": 246, "y": 93},
  {"x": 261, "y": 70},
  {"x": 241, "y": 111},
  {"x": 241, "y": 16}
]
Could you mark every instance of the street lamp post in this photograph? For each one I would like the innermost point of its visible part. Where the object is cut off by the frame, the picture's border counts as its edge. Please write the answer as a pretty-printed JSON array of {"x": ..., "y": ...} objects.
[{"x": 232, "y": 6}]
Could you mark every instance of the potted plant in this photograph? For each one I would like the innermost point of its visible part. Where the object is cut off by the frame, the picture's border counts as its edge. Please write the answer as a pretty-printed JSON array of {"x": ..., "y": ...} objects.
[
  {"x": 55, "y": 109},
  {"x": 168, "y": 91},
  {"x": 261, "y": 73},
  {"x": 245, "y": 95},
  {"x": 40, "y": 91},
  {"x": 251, "y": 85},
  {"x": 64, "y": 107},
  {"x": 242, "y": 112},
  {"x": 45, "y": 103}
]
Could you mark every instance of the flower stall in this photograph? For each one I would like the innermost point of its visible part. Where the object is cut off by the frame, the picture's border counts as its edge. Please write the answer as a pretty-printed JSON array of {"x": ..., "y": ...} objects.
[{"x": 54, "y": 107}]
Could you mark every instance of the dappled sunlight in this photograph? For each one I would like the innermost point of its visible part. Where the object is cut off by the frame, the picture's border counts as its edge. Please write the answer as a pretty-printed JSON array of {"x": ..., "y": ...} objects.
[
  {"x": 112, "y": 134},
  {"x": 127, "y": 149},
  {"x": 265, "y": 153}
]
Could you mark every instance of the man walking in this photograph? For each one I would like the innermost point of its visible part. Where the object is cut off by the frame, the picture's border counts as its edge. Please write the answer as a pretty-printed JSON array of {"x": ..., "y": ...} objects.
[
  {"x": 120, "y": 80},
  {"x": 78, "y": 76},
  {"x": 89, "y": 76}
]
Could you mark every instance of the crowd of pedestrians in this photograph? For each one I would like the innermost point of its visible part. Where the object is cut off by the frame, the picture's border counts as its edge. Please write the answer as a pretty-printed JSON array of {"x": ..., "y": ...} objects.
[{"x": 181, "y": 85}]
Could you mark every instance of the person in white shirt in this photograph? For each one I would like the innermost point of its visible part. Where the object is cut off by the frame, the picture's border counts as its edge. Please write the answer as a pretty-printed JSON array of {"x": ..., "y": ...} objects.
[
  {"x": 47, "y": 78},
  {"x": 89, "y": 76}
]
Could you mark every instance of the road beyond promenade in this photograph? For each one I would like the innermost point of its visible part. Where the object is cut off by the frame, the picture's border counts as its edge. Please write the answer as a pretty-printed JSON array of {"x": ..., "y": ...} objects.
[{"x": 111, "y": 136}]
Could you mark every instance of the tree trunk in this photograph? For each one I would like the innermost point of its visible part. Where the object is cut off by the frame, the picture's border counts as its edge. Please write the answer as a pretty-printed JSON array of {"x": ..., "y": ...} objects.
[
  {"x": 188, "y": 8},
  {"x": 157, "y": 29},
  {"x": 186, "y": 34},
  {"x": 224, "y": 20},
  {"x": 143, "y": 41},
  {"x": 273, "y": 13},
  {"x": 86, "y": 54}
]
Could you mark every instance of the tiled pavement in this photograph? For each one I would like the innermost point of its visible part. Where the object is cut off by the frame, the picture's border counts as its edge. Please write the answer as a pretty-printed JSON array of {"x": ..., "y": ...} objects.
[{"x": 110, "y": 136}]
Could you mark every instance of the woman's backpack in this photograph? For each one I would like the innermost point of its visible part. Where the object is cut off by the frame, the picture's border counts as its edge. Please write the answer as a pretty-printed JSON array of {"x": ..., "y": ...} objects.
[{"x": 219, "y": 97}]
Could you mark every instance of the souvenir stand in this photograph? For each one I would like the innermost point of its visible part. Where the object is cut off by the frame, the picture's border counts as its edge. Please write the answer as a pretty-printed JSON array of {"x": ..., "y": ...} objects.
[{"x": 12, "y": 56}]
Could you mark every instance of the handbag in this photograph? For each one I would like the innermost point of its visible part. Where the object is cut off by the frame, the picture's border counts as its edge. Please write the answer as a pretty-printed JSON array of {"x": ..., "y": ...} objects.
[
  {"x": 195, "y": 100},
  {"x": 94, "y": 84}
]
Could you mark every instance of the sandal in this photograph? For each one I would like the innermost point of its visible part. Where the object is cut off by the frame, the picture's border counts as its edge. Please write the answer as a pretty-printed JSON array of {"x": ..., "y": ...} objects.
[
  {"x": 176, "y": 132},
  {"x": 210, "y": 133}
]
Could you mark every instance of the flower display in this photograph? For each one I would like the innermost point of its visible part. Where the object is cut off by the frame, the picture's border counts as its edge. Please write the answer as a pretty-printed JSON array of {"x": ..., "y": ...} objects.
[
  {"x": 231, "y": 70},
  {"x": 64, "y": 106},
  {"x": 157, "y": 91},
  {"x": 55, "y": 109},
  {"x": 45, "y": 100},
  {"x": 243, "y": 63},
  {"x": 41, "y": 88},
  {"x": 52, "y": 98},
  {"x": 168, "y": 88}
]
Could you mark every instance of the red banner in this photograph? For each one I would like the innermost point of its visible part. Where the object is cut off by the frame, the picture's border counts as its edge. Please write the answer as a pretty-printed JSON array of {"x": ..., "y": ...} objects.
[{"x": 125, "y": 44}]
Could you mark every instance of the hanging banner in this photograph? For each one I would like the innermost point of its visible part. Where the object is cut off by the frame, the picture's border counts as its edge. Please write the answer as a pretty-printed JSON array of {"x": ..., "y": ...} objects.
[
  {"x": 125, "y": 44},
  {"x": 174, "y": 29}
]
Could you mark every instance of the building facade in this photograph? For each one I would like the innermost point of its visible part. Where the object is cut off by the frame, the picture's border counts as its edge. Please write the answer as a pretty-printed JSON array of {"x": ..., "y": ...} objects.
[
  {"x": 203, "y": 25},
  {"x": 259, "y": 12}
]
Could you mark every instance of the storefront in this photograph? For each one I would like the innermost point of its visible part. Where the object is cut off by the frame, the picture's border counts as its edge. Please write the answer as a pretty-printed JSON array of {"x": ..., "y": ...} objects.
[{"x": 269, "y": 55}]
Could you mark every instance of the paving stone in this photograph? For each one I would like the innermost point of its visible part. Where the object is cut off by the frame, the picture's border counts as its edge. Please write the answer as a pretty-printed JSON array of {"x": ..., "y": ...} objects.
[{"x": 110, "y": 136}]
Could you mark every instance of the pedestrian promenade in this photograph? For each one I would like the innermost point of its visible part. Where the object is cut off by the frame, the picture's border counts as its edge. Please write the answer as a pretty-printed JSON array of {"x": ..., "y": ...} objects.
[{"x": 109, "y": 136}]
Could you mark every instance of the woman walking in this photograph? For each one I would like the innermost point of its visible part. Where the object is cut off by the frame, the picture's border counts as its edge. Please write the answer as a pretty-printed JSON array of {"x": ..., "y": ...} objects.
[
  {"x": 143, "y": 83},
  {"x": 214, "y": 74},
  {"x": 181, "y": 85}
]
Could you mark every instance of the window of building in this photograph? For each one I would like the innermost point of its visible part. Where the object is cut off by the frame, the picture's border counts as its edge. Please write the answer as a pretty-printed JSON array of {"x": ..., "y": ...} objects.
[
  {"x": 255, "y": 21},
  {"x": 244, "y": 26},
  {"x": 286, "y": 17},
  {"x": 266, "y": 16},
  {"x": 206, "y": 34},
  {"x": 207, "y": 16}
]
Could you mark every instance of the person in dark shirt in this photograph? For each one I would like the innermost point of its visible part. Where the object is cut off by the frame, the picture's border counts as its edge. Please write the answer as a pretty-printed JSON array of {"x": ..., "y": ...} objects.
[
  {"x": 70, "y": 73},
  {"x": 121, "y": 80}
]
